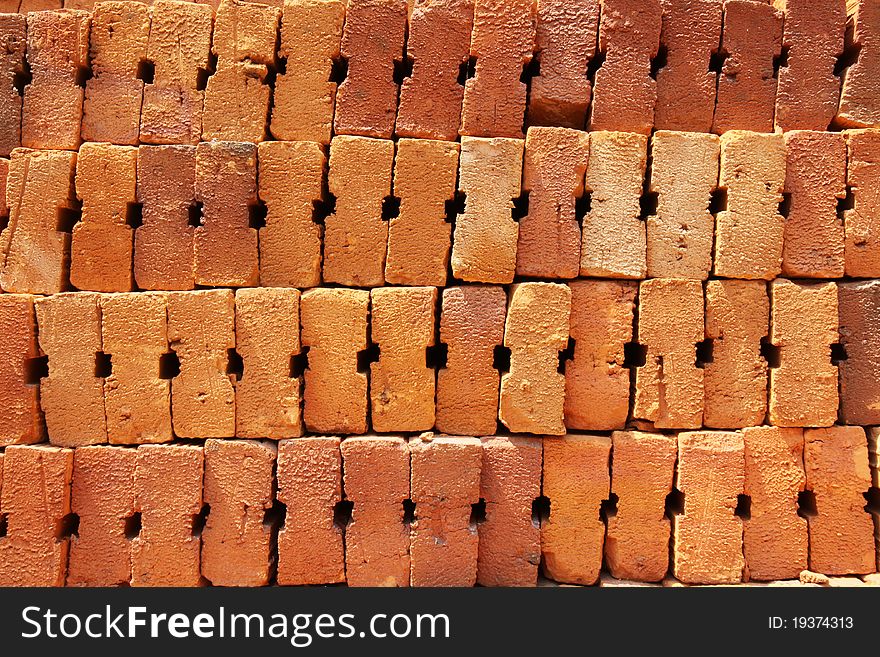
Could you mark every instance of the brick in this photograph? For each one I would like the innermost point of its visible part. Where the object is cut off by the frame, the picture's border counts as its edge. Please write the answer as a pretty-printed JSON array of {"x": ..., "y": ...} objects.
[
  {"x": 39, "y": 192},
  {"x": 536, "y": 330},
  {"x": 20, "y": 418},
  {"x": 549, "y": 243},
  {"x": 637, "y": 543},
  {"x": 102, "y": 244},
  {"x": 356, "y": 234},
  {"x": 179, "y": 47},
  {"x": 334, "y": 329},
  {"x": 376, "y": 475},
  {"x": 444, "y": 483},
  {"x": 735, "y": 378},
  {"x": 471, "y": 326},
  {"x": 267, "y": 397},
  {"x": 503, "y": 42},
  {"x": 707, "y": 536},
  {"x": 510, "y": 542},
  {"x": 803, "y": 326},
  {"x": 102, "y": 496},
  {"x": 859, "y": 98},
  {"x": 485, "y": 238},
  {"x": 163, "y": 245},
  {"x": 72, "y": 395},
  {"x": 684, "y": 174},
  {"x": 690, "y": 35},
  {"x": 224, "y": 244},
  {"x": 166, "y": 552},
  {"x": 669, "y": 386},
  {"x": 596, "y": 377},
  {"x": 201, "y": 331},
  {"x": 372, "y": 40},
  {"x": 576, "y": 480},
  {"x": 859, "y": 308},
  {"x": 815, "y": 178},
  {"x": 114, "y": 94},
  {"x": 401, "y": 382},
  {"x": 304, "y": 97},
  {"x": 13, "y": 41},
  {"x": 310, "y": 544},
  {"x": 862, "y": 233},
  {"x": 290, "y": 183},
  {"x": 749, "y": 231},
  {"x": 438, "y": 44},
  {"x": 565, "y": 41},
  {"x": 613, "y": 236},
  {"x": 36, "y": 500},
  {"x": 419, "y": 241},
  {"x": 841, "y": 533}
]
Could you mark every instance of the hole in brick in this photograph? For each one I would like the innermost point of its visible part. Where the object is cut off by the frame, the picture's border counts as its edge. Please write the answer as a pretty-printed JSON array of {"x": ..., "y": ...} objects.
[
  {"x": 780, "y": 61},
  {"x": 770, "y": 352},
  {"x": 435, "y": 356},
  {"x": 806, "y": 503},
  {"x": 257, "y": 213},
  {"x": 454, "y": 207},
  {"x": 36, "y": 369},
  {"x": 608, "y": 508},
  {"x": 674, "y": 504},
  {"x": 478, "y": 513},
  {"x": 279, "y": 67},
  {"x": 133, "y": 525},
  {"x": 339, "y": 69},
  {"x": 705, "y": 350},
  {"x": 467, "y": 70},
  {"x": 146, "y": 71},
  {"x": 367, "y": 356},
  {"x": 848, "y": 202},
  {"x": 275, "y": 516},
  {"x": 872, "y": 497},
  {"x": 103, "y": 365},
  {"x": 3, "y": 525},
  {"x": 299, "y": 363},
  {"x": 648, "y": 204},
  {"x": 838, "y": 353},
  {"x": 501, "y": 358},
  {"x": 67, "y": 218},
  {"x": 200, "y": 520},
  {"x": 409, "y": 512},
  {"x": 83, "y": 75},
  {"x": 566, "y": 355},
  {"x": 785, "y": 204},
  {"x": 743, "y": 509},
  {"x": 634, "y": 355},
  {"x": 323, "y": 209},
  {"x": 169, "y": 365},
  {"x": 67, "y": 527},
  {"x": 234, "y": 364},
  {"x": 849, "y": 56},
  {"x": 205, "y": 73},
  {"x": 718, "y": 201},
  {"x": 717, "y": 59},
  {"x": 660, "y": 61},
  {"x": 342, "y": 511},
  {"x": 4, "y": 222},
  {"x": 531, "y": 69},
  {"x": 403, "y": 68},
  {"x": 195, "y": 214},
  {"x": 583, "y": 204},
  {"x": 22, "y": 78},
  {"x": 594, "y": 66},
  {"x": 540, "y": 510},
  {"x": 134, "y": 215},
  {"x": 390, "y": 208},
  {"x": 520, "y": 206}
]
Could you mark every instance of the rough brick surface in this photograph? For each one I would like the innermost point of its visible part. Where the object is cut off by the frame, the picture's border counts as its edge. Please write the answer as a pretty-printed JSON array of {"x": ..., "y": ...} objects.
[
  {"x": 859, "y": 98},
  {"x": 310, "y": 545},
  {"x": 708, "y": 537},
  {"x": 596, "y": 380},
  {"x": 20, "y": 419},
  {"x": 859, "y": 311},
  {"x": 536, "y": 330},
  {"x": 13, "y": 42},
  {"x": 637, "y": 544},
  {"x": 862, "y": 230}
]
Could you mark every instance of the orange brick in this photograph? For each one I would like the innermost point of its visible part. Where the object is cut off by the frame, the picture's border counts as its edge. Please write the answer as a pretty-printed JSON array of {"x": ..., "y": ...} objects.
[
  {"x": 163, "y": 245},
  {"x": 684, "y": 173},
  {"x": 862, "y": 230},
  {"x": 536, "y": 330},
  {"x": 419, "y": 237},
  {"x": 596, "y": 379},
  {"x": 749, "y": 232},
  {"x": 36, "y": 501},
  {"x": 549, "y": 243},
  {"x": 613, "y": 236},
  {"x": 102, "y": 244},
  {"x": 356, "y": 234},
  {"x": 13, "y": 42},
  {"x": 310, "y": 545},
  {"x": 114, "y": 94},
  {"x": 502, "y": 41},
  {"x": 20, "y": 418},
  {"x": 102, "y": 495},
  {"x": 669, "y": 387},
  {"x": 201, "y": 331},
  {"x": 39, "y": 192},
  {"x": 334, "y": 329},
  {"x": 735, "y": 378},
  {"x": 510, "y": 542},
  {"x": 471, "y": 326},
  {"x": 304, "y": 97},
  {"x": 290, "y": 183},
  {"x": 166, "y": 552},
  {"x": 576, "y": 480},
  {"x": 637, "y": 544},
  {"x": 179, "y": 47},
  {"x": 485, "y": 239},
  {"x": 72, "y": 396},
  {"x": 859, "y": 310},
  {"x": 708, "y": 536},
  {"x": 859, "y": 98},
  {"x": 803, "y": 389},
  {"x": 372, "y": 39},
  {"x": 438, "y": 43},
  {"x": 376, "y": 478}
]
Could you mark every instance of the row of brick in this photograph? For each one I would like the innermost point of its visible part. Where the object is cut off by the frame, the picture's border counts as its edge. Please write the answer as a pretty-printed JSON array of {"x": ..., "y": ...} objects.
[
  {"x": 173, "y": 73},
  {"x": 761, "y": 504}
]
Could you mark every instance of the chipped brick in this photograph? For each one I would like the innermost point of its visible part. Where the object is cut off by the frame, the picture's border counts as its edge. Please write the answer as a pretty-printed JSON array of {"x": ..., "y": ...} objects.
[
  {"x": 859, "y": 97},
  {"x": 20, "y": 416},
  {"x": 862, "y": 231}
]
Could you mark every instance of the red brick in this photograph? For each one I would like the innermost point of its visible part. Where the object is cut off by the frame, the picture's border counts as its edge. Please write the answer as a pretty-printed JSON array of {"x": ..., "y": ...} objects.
[
  {"x": 20, "y": 418},
  {"x": 708, "y": 537},
  {"x": 637, "y": 543},
  {"x": 376, "y": 479},
  {"x": 536, "y": 330},
  {"x": 102, "y": 243},
  {"x": 859, "y": 311},
  {"x": 471, "y": 326},
  {"x": 102, "y": 496},
  {"x": 510, "y": 542},
  {"x": 310, "y": 545},
  {"x": 36, "y": 499},
  {"x": 201, "y": 331},
  {"x": 862, "y": 232},
  {"x": 334, "y": 329},
  {"x": 859, "y": 98},
  {"x": 596, "y": 379},
  {"x": 13, "y": 42},
  {"x": 445, "y": 483}
]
